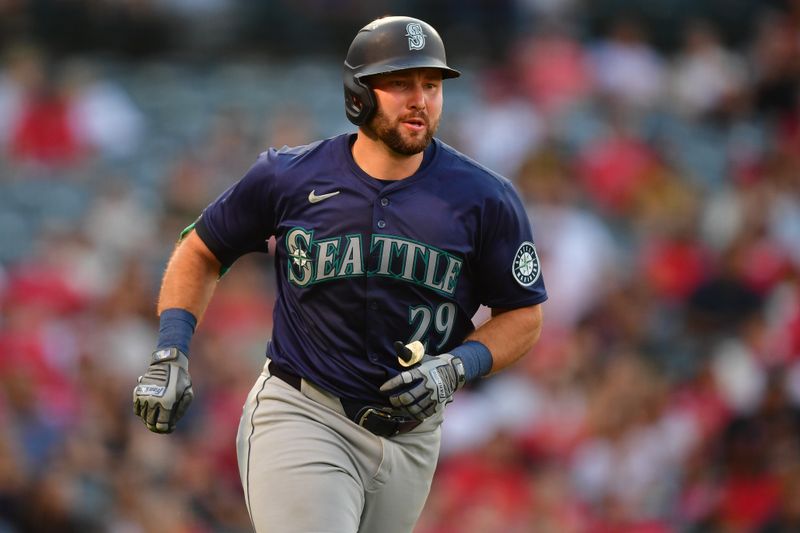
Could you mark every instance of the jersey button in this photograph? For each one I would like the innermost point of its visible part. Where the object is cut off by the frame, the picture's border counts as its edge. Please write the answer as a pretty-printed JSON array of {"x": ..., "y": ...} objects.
[
  {"x": 373, "y": 305},
  {"x": 384, "y": 202},
  {"x": 373, "y": 358},
  {"x": 381, "y": 224}
]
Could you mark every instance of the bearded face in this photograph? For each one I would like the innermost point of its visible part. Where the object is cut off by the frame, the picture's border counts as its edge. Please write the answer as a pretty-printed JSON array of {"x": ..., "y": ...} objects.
[
  {"x": 408, "y": 110},
  {"x": 406, "y": 135}
]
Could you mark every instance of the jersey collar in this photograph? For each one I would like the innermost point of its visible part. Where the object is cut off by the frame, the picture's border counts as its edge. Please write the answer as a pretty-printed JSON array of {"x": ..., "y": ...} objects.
[{"x": 428, "y": 157}]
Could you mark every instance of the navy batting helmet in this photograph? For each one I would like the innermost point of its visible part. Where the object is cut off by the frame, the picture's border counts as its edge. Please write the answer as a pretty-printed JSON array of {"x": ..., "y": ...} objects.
[{"x": 386, "y": 45}]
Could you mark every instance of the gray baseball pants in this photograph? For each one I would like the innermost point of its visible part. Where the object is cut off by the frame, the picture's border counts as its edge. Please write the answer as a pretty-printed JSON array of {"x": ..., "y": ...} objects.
[{"x": 306, "y": 468}]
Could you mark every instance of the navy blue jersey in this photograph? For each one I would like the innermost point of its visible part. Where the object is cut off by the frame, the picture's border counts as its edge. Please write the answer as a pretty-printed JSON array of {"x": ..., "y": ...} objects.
[{"x": 362, "y": 263}]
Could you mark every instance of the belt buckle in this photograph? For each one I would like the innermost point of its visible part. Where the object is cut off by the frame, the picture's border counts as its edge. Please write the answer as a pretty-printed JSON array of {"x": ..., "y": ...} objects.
[{"x": 378, "y": 422}]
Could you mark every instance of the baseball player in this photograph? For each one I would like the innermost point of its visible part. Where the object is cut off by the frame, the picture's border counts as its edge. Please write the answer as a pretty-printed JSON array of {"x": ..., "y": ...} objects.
[{"x": 388, "y": 240}]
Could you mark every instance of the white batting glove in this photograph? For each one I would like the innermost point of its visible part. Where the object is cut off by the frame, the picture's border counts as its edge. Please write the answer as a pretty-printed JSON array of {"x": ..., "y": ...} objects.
[
  {"x": 164, "y": 392},
  {"x": 424, "y": 390}
]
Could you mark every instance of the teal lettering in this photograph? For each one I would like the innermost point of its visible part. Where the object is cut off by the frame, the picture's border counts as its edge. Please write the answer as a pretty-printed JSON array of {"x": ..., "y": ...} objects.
[
  {"x": 312, "y": 261},
  {"x": 326, "y": 257},
  {"x": 430, "y": 271},
  {"x": 352, "y": 263},
  {"x": 451, "y": 275}
]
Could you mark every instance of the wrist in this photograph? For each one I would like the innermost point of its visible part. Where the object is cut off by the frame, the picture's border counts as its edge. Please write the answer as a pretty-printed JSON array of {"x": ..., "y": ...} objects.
[
  {"x": 172, "y": 353},
  {"x": 175, "y": 330},
  {"x": 476, "y": 357}
]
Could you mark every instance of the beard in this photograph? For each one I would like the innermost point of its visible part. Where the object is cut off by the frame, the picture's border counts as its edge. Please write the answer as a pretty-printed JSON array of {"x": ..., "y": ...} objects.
[{"x": 391, "y": 133}]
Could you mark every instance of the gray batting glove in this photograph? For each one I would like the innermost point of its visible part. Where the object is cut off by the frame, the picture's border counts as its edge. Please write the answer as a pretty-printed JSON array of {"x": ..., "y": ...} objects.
[
  {"x": 164, "y": 392},
  {"x": 426, "y": 388}
]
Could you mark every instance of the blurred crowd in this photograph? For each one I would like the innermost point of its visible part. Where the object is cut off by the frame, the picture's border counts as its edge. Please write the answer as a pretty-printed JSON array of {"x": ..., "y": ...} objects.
[{"x": 664, "y": 190}]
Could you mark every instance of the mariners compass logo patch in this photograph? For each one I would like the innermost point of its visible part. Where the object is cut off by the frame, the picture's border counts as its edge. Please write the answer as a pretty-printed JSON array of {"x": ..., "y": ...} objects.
[
  {"x": 416, "y": 37},
  {"x": 526, "y": 264}
]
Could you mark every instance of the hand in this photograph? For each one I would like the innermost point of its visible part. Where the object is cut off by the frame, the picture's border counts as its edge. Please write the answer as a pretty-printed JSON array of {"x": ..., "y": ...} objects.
[
  {"x": 164, "y": 392},
  {"x": 425, "y": 389}
]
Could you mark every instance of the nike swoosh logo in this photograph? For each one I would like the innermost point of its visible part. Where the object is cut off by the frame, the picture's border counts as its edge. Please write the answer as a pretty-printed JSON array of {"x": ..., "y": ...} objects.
[{"x": 314, "y": 198}]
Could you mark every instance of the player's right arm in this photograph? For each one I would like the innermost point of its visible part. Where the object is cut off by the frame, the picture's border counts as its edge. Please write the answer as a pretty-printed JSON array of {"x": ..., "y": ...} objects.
[
  {"x": 239, "y": 221},
  {"x": 190, "y": 277},
  {"x": 164, "y": 392}
]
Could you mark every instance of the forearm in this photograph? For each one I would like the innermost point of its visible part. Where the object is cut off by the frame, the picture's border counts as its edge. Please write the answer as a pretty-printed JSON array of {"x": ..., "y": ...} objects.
[
  {"x": 164, "y": 392},
  {"x": 190, "y": 277},
  {"x": 509, "y": 334},
  {"x": 427, "y": 387}
]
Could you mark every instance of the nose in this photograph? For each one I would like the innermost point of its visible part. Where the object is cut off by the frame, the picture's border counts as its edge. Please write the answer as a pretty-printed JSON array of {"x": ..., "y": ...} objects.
[{"x": 416, "y": 97}]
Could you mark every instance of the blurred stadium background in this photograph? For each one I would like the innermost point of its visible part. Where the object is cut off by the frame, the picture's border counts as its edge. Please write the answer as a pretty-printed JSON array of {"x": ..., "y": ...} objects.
[{"x": 657, "y": 146}]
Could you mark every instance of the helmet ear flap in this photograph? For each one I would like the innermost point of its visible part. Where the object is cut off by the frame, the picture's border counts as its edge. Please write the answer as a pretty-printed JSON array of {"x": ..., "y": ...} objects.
[{"x": 359, "y": 100}]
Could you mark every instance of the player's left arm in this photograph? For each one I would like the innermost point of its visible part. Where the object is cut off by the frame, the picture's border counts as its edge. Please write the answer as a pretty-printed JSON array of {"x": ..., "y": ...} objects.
[
  {"x": 429, "y": 385},
  {"x": 508, "y": 267},
  {"x": 509, "y": 334}
]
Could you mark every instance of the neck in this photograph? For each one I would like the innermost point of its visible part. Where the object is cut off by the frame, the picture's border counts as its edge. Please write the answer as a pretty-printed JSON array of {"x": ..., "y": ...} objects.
[{"x": 381, "y": 162}]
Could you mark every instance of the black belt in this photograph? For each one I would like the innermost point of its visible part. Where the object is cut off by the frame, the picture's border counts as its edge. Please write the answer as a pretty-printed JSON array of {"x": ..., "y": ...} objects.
[{"x": 378, "y": 420}]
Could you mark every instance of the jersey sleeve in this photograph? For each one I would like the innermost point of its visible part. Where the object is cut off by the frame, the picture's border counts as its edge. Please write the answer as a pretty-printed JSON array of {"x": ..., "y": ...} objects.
[
  {"x": 242, "y": 218},
  {"x": 508, "y": 263}
]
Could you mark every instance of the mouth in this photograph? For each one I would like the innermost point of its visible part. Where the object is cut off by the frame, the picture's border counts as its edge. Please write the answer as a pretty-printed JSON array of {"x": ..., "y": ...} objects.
[{"x": 414, "y": 124}]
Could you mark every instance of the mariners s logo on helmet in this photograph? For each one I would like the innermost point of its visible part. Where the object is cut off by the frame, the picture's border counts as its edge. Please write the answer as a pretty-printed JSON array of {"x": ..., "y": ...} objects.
[
  {"x": 526, "y": 264},
  {"x": 416, "y": 37}
]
